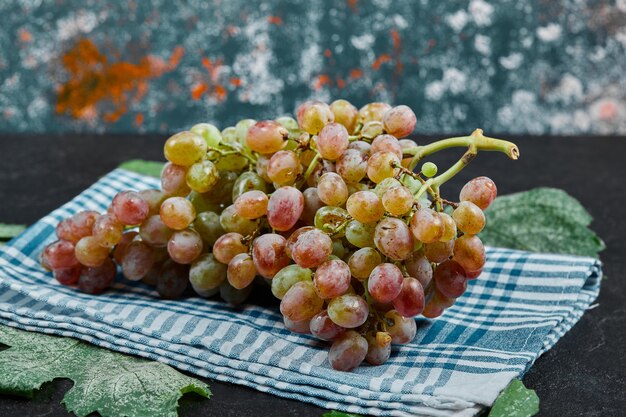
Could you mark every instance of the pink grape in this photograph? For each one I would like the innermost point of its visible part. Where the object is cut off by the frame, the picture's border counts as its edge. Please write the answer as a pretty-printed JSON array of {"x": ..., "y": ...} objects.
[
  {"x": 312, "y": 248},
  {"x": 345, "y": 113},
  {"x": 332, "y": 279},
  {"x": 361, "y": 146},
  {"x": 129, "y": 208},
  {"x": 107, "y": 230},
  {"x": 469, "y": 218},
  {"x": 300, "y": 327},
  {"x": 284, "y": 167},
  {"x": 262, "y": 164},
  {"x": 426, "y": 225},
  {"x": 347, "y": 351},
  {"x": 450, "y": 279},
  {"x": 68, "y": 276},
  {"x": 386, "y": 143},
  {"x": 241, "y": 271},
  {"x": 293, "y": 238},
  {"x": 177, "y": 213},
  {"x": 393, "y": 239},
  {"x": 173, "y": 180},
  {"x": 89, "y": 252},
  {"x": 332, "y": 141},
  {"x": 480, "y": 191},
  {"x": 363, "y": 261},
  {"x": 400, "y": 121},
  {"x": 469, "y": 252},
  {"x": 348, "y": 310},
  {"x": 154, "y": 232},
  {"x": 378, "y": 347},
  {"x": 332, "y": 190},
  {"x": 322, "y": 327},
  {"x": 438, "y": 252},
  {"x": 410, "y": 301},
  {"x": 184, "y": 246},
  {"x": 268, "y": 254},
  {"x": 398, "y": 200},
  {"x": 284, "y": 208},
  {"x": 266, "y": 137},
  {"x": 60, "y": 255},
  {"x": 419, "y": 267},
  {"x": 313, "y": 116},
  {"x": 301, "y": 302},
  {"x": 401, "y": 329},
  {"x": 96, "y": 279},
  {"x": 78, "y": 226},
  {"x": 137, "y": 261},
  {"x": 227, "y": 246},
  {"x": 352, "y": 166},
  {"x": 365, "y": 206},
  {"x": 154, "y": 198},
  {"x": 252, "y": 204},
  {"x": 385, "y": 282}
]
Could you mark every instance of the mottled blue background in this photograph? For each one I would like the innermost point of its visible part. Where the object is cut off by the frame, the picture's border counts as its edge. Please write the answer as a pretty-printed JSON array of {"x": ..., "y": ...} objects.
[{"x": 535, "y": 66}]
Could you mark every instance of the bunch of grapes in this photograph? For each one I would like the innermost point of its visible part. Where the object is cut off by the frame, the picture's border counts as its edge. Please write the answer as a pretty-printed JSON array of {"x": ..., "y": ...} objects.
[{"x": 325, "y": 208}]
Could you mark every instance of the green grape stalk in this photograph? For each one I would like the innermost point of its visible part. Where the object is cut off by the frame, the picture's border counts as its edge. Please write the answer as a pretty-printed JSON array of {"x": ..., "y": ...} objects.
[{"x": 326, "y": 208}]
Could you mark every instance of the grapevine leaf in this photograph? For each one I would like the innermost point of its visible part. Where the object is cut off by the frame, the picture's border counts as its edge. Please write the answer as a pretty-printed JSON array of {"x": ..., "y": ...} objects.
[
  {"x": 106, "y": 382},
  {"x": 9, "y": 231},
  {"x": 336, "y": 413},
  {"x": 515, "y": 401},
  {"x": 541, "y": 220},
  {"x": 140, "y": 166}
]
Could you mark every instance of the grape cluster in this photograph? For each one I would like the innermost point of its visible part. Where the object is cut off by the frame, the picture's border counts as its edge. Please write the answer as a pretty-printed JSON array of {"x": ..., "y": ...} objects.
[{"x": 325, "y": 208}]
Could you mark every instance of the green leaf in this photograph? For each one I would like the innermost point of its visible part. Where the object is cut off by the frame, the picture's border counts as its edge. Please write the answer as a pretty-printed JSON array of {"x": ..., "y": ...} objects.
[
  {"x": 336, "y": 413},
  {"x": 140, "y": 166},
  {"x": 106, "y": 382},
  {"x": 9, "y": 231},
  {"x": 515, "y": 401},
  {"x": 541, "y": 220}
]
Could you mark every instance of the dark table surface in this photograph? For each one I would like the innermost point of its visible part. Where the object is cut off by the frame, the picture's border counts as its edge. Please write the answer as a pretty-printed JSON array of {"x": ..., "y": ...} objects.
[{"x": 583, "y": 375}]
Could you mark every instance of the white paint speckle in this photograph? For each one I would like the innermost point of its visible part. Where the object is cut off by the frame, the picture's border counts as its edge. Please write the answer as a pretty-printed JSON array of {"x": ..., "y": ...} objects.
[
  {"x": 549, "y": 33},
  {"x": 512, "y": 61},
  {"x": 458, "y": 20},
  {"x": 482, "y": 44},
  {"x": 75, "y": 24},
  {"x": 362, "y": 42},
  {"x": 434, "y": 90},
  {"x": 481, "y": 11},
  {"x": 454, "y": 80},
  {"x": 400, "y": 22}
]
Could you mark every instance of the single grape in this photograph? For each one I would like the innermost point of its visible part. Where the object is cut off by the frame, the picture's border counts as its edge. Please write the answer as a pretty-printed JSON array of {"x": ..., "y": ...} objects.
[
  {"x": 284, "y": 167},
  {"x": 232, "y": 295},
  {"x": 152, "y": 276},
  {"x": 356, "y": 187},
  {"x": 202, "y": 176},
  {"x": 426, "y": 225},
  {"x": 399, "y": 121},
  {"x": 469, "y": 252},
  {"x": 241, "y": 130},
  {"x": 268, "y": 254},
  {"x": 89, "y": 252},
  {"x": 232, "y": 162},
  {"x": 469, "y": 218},
  {"x": 373, "y": 112},
  {"x": 420, "y": 268},
  {"x": 77, "y": 227},
  {"x": 398, "y": 200},
  {"x": 288, "y": 276},
  {"x": 312, "y": 203},
  {"x": 248, "y": 181},
  {"x": 480, "y": 191},
  {"x": 449, "y": 224},
  {"x": 129, "y": 208},
  {"x": 429, "y": 169},
  {"x": 382, "y": 165},
  {"x": 207, "y": 273},
  {"x": 332, "y": 279},
  {"x": 173, "y": 280},
  {"x": 348, "y": 311},
  {"x": 252, "y": 204},
  {"x": 185, "y": 148},
  {"x": 401, "y": 329},
  {"x": 378, "y": 347},
  {"x": 410, "y": 301},
  {"x": 359, "y": 234},
  {"x": 284, "y": 208},
  {"x": 68, "y": 276},
  {"x": 363, "y": 262},
  {"x": 332, "y": 141},
  {"x": 450, "y": 279},
  {"x": 120, "y": 248},
  {"x": 293, "y": 238},
  {"x": 262, "y": 163},
  {"x": 177, "y": 213},
  {"x": 154, "y": 232},
  {"x": 211, "y": 134},
  {"x": 222, "y": 191},
  {"x": 174, "y": 180},
  {"x": 361, "y": 146},
  {"x": 311, "y": 248},
  {"x": 291, "y": 125},
  {"x": 154, "y": 198},
  {"x": 365, "y": 206},
  {"x": 372, "y": 129},
  {"x": 267, "y": 137},
  {"x": 322, "y": 327},
  {"x": 347, "y": 351},
  {"x": 301, "y": 302},
  {"x": 438, "y": 252},
  {"x": 204, "y": 202},
  {"x": 339, "y": 249},
  {"x": 473, "y": 274},
  {"x": 313, "y": 116},
  {"x": 386, "y": 143},
  {"x": 137, "y": 261},
  {"x": 241, "y": 271},
  {"x": 60, "y": 255},
  {"x": 329, "y": 218},
  {"x": 229, "y": 135},
  {"x": 184, "y": 246},
  {"x": 332, "y": 190},
  {"x": 352, "y": 166},
  {"x": 300, "y": 327},
  {"x": 385, "y": 185},
  {"x": 208, "y": 226},
  {"x": 227, "y": 246},
  {"x": 393, "y": 239},
  {"x": 232, "y": 222},
  {"x": 96, "y": 279},
  {"x": 345, "y": 114},
  {"x": 385, "y": 282}
]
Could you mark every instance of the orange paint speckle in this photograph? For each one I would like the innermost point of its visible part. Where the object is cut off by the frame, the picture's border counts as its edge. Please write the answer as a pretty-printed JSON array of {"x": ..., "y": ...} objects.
[
  {"x": 274, "y": 20},
  {"x": 139, "y": 119},
  {"x": 198, "y": 90},
  {"x": 235, "y": 82},
  {"x": 380, "y": 60},
  {"x": 327, "y": 53},
  {"x": 395, "y": 37},
  {"x": 341, "y": 84},
  {"x": 212, "y": 86},
  {"x": 356, "y": 73},
  {"x": 607, "y": 110},
  {"x": 321, "y": 81},
  {"x": 352, "y": 4},
  {"x": 93, "y": 79},
  {"x": 24, "y": 35}
]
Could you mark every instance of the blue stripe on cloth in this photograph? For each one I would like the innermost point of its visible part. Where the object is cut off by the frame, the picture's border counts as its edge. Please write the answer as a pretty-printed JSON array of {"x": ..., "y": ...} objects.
[{"x": 518, "y": 309}]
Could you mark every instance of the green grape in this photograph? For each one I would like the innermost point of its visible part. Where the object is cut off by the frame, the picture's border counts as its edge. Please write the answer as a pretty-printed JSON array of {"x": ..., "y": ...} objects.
[
  {"x": 204, "y": 202},
  {"x": 371, "y": 129},
  {"x": 313, "y": 116},
  {"x": 286, "y": 277},
  {"x": 207, "y": 273},
  {"x": 345, "y": 114},
  {"x": 429, "y": 169},
  {"x": 360, "y": 235},
  {"x": 232, "y": 222},
  {"x": 382, "y": 187},
  {"x": 209, "y": 133},
  {"x": 248, "y": 181},
  {"x": 381, "y": 166},
  {"x": 229, "y": 135},
  {"x": 329, "y": 217},
  {"x": 232, "y": 162},
  {"x": 202, "y": 176},
  {"x": 241, "y": 130},
  {"x": 207, "y": 224},
  {"x": 373, "y": 112},
  {"x": 363, "y": 262},
  {"x": 185, "y": 148},
  {"x": 413, "y": 184}
]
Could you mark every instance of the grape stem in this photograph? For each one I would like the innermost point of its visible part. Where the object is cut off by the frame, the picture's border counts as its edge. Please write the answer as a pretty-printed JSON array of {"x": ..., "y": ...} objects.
[{"x": 311, "y": 167}]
